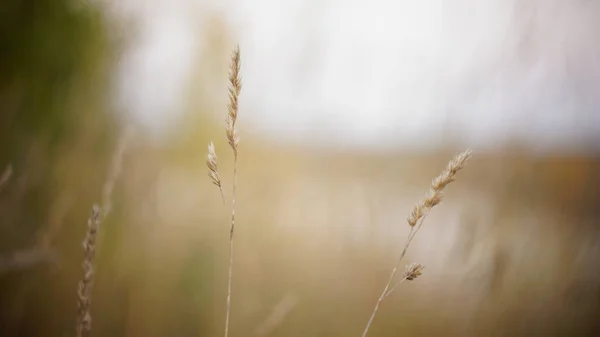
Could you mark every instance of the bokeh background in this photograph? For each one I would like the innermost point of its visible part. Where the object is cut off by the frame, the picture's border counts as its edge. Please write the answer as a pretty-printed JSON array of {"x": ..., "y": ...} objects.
[{"x": 348, "y": 110}]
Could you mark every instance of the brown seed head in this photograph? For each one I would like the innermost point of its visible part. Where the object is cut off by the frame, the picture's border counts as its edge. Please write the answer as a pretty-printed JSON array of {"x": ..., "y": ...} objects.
[{"x": 413, "y": 271}]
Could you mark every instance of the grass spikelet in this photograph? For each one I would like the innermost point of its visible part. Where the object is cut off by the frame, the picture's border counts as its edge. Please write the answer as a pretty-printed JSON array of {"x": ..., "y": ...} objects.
[
  {"x": 84, "y": 292},
  {"x": 413, "y": 271},
  {"x": 235, "y": 87},
  {"x": 434, "y": 197},
  {"x": 213, "y": 168}
]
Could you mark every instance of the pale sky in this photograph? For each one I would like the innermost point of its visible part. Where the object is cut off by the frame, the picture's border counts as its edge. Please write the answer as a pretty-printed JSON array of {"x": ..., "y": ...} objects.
[{"x": 363, "y": 73}]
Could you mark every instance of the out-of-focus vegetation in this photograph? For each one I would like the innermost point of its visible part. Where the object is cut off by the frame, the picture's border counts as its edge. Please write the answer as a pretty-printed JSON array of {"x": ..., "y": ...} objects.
[
  {"x": 56, "y": 131},
  {"x": 511, "y": 251}
]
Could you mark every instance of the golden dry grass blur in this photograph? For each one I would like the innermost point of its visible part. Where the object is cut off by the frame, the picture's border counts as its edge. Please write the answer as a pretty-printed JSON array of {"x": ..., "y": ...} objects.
[
  {"x": 501, "y": 258},
  {"x": 511, "y": 252}
]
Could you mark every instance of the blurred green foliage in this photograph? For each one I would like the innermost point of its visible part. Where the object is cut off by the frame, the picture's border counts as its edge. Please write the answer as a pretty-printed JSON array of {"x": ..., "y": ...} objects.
[
  {"x": 44, "y": 45},
  {"x": 53, "y": 54}
]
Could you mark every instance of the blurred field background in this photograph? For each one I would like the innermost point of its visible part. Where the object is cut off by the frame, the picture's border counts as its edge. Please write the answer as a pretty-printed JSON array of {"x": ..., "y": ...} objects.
[{"x": 512, "y": 250}]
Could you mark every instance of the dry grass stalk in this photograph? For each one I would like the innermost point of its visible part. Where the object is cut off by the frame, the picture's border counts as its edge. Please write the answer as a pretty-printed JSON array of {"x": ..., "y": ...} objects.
[
  {"x": 5, "y": 177},
  {"x": 278, "y": 315},
  {"x": 115, "y": 170},
  {"x": 415, "y": 221},
  {"x": 26, "y": 258},
  {"x": 84, "y": 319},
  {"x": 233, "y": 140},
  {"x": 213, "y": 172}
]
